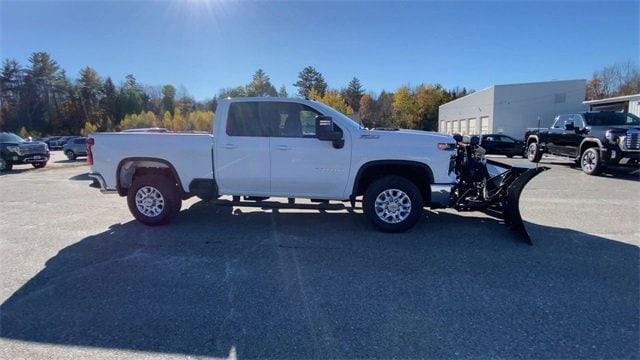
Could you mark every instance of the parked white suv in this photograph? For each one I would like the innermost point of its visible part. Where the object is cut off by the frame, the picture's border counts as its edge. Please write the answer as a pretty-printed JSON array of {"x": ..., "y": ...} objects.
[{"x": 296, "y": 148}]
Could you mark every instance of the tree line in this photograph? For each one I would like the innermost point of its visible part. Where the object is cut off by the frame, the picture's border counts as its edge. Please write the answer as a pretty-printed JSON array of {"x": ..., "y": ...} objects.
[{"x": 40, "y": 99}]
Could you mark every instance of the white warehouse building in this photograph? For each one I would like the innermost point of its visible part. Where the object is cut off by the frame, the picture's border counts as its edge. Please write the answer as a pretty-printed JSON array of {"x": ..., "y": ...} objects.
[{"x": 511, "y": 109}]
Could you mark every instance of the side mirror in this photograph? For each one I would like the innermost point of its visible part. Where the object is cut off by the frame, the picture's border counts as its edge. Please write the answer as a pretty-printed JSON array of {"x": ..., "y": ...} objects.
[
  {"x": 325, "y": 131},
  {"x": 568, "y": 125}
]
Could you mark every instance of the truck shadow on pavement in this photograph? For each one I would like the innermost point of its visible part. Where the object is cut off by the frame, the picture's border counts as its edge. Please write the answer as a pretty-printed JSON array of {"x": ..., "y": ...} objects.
[{"x": 299, "y": 285}]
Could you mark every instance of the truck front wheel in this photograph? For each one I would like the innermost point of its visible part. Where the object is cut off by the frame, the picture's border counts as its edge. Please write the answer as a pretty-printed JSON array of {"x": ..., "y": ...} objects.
[
  {"x": 534, "y": 154},
  {"x": 393, "y": 204},
  {"x": 591, "y": 162},
  {"x": 153, "y": 199}
]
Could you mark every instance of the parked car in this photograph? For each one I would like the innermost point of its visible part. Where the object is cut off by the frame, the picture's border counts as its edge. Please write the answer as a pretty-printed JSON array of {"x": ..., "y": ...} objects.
[
  {"x": 499, "y": 144},
  {"x": 297, "y": 148},
  {"x": 154, "y": 130},
  {"x": 75, "y": 147},
  {"x": 58, "y": 143},
  {"x": 15, "y": 150},
  {"x": 47, "y": 140},
  {"x": 593, "y": 140}
]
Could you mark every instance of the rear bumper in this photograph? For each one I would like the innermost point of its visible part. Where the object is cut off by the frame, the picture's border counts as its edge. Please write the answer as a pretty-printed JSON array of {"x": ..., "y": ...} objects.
[
  {"x": 98, "y": 182},
  {"x": 440, "y": 194}
]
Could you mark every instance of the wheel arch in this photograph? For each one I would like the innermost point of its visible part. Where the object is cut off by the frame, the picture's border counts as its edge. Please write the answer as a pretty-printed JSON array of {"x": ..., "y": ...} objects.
[
  {"x": 587, "y": 143},
  {"x": 129, "y": 168},
  {"x": 417, "y": 172}
]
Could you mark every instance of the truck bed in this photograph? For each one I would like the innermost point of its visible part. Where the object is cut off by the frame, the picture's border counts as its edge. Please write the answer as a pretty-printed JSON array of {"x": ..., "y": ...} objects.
[{"x": 189, "y": 154}]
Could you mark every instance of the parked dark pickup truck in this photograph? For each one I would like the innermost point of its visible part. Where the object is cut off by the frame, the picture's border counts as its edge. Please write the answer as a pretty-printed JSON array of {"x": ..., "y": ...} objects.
[
  {"x": 15, "y": 150},
  {"x": 593, "y": 139}
]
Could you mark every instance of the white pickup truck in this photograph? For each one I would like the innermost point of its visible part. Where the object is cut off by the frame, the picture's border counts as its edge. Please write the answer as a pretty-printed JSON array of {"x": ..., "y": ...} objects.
[{"x": 277, "y": 147}]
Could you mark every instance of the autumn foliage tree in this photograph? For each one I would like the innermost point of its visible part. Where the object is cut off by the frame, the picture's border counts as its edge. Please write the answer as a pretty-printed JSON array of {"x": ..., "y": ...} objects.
[{"x": 614, "y": 80}]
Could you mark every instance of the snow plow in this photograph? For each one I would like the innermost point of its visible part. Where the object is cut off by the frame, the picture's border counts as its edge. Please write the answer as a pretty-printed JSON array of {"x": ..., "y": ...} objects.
[{"x": 489, "y": 186}]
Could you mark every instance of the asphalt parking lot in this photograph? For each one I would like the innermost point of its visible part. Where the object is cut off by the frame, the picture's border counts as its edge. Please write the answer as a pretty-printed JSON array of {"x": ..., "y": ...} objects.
[{"x": 80, "y": 278}]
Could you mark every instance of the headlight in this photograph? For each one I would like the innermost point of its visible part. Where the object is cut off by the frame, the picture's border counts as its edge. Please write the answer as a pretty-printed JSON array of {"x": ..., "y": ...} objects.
[{"x": 14, "y": 148}]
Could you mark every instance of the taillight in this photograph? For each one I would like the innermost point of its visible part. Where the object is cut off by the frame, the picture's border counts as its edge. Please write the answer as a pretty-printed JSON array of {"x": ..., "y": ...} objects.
[{"x": 90, "y": 143}]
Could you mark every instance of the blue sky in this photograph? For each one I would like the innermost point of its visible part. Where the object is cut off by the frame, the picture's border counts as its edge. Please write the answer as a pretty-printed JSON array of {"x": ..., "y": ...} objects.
[{"x": 206, "y": 46}]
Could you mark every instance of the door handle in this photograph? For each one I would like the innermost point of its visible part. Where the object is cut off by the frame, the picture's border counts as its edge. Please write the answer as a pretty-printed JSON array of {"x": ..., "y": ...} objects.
[
  {"x": 283, "y": 147},
  {"x": 230, "y": 146}
]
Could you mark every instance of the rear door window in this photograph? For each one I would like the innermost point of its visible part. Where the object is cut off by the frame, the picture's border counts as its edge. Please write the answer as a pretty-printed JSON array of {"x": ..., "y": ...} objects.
[{"x": 244, "y": 120}]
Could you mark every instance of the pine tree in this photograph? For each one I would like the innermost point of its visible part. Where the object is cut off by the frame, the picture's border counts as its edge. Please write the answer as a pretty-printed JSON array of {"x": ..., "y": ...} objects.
[
  {"x": 131, "y": 99},
  {"x": 260, "y": 85},
  {"x": 309, "y": 78},
  {"x": 283, "y": 92},
  {"x": 353, "y": 93},
  {"x": 90, "y": 90},
  {"x": 109, "y": 105},
  {"x": 168, "y": 98},
  {"x": 39, "y": 105},
  {"x": 10, "y": 86}
]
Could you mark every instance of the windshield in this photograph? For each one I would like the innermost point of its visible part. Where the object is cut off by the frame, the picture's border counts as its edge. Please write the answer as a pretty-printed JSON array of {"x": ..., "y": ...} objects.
[
  {"x": 611, "y": 118},
  {"x": 10, "y": 138}
]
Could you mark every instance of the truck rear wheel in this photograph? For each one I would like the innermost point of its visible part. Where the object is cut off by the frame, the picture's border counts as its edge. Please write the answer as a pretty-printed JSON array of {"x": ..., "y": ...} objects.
[
  {"x": 393, "y": 204},
  {"x": 590, "y": 161},
  {"x": 153, "y": 199},
  {"x": 534, "y": 154}
]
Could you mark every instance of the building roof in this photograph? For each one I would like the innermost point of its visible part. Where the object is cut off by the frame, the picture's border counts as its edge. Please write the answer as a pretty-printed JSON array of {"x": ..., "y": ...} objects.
[
  {"x": 514, "y": 84},
  {"x": 613, "y": 99}
]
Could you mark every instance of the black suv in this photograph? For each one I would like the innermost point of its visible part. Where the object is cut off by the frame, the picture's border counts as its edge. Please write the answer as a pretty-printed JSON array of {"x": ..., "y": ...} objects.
[
  {"x": 592, "y": 139},
  {"x": 15, "y": 150}
]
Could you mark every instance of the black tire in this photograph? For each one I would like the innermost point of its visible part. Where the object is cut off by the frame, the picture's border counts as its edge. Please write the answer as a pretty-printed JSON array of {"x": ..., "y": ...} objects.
[
  {"x": 39, "y": 165},
  {"x": 533, "y": 152},
  {"x": 70, "y": 155},
  {"x": 510, "y": 156},
  {"x": 5, "y": 166},
  {"x": 591, "y": 162},
  {"x": 168, "y": 192},
  {"x": 391, "y": 183}
]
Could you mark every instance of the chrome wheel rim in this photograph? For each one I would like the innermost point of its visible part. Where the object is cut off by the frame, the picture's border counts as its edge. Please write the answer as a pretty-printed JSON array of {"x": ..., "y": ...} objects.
[
  {"x": 149, "y": 201},
  {"x": 589, "y": 160},
  {"x": 393, "y": 206},
  {"x": 532, "y": 151}
]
